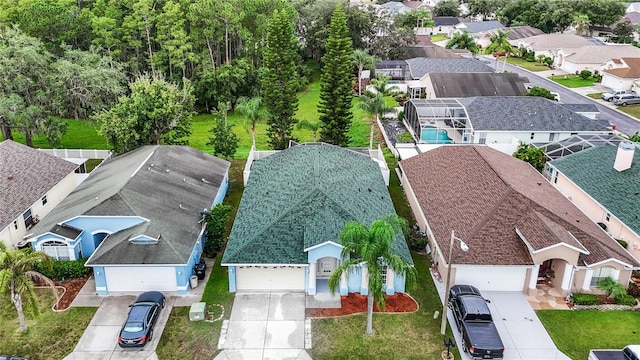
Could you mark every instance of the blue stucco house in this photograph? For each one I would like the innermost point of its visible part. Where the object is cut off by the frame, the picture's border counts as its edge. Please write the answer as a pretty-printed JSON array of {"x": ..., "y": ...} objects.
[
  {"x": 296, "y": 201},
  {"x": 138, "y": 218}
]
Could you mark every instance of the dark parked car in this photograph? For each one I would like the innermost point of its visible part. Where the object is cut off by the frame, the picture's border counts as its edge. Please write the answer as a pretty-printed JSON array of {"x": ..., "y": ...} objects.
[
  {"x": 480, "y": 337},
  {"x": 143, "y": 314}
]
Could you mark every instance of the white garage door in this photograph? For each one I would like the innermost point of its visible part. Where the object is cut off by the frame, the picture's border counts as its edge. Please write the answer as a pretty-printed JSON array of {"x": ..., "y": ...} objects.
[
  {"x": 270, "y": 278},
  {"x": 492, "y": 278},
  {"x": 140, "y": 278}
]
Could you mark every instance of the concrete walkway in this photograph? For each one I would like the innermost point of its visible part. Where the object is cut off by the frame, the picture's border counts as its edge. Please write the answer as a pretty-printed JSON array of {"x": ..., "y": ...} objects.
[{"x": 266, "y": 325}]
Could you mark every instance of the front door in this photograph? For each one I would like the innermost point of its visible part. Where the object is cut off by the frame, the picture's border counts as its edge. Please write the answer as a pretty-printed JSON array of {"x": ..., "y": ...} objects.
[{"x": 326, "y": 265}]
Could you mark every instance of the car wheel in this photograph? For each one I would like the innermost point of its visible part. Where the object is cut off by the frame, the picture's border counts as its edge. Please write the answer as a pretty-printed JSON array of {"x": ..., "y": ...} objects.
[
  {"x": 624, "y": 104},
  {"x": 610, "y": 99},
  {"x": 464, "y": 345},
  {"x": 150, "y": 335},
  {"x": 163, "y": 302}
]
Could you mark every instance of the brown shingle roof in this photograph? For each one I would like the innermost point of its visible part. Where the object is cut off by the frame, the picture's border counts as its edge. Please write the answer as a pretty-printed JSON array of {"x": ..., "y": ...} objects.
[
  {"x": 26, "y": 174},
  {"x": 631, "y": 72},
  {"x": 484, "y": 195}
]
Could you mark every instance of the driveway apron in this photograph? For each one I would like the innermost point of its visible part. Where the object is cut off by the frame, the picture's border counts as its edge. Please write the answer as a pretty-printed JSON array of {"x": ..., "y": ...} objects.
[
  {"x": 265, "y": 325},
  {"x": 100, "y": 340}
]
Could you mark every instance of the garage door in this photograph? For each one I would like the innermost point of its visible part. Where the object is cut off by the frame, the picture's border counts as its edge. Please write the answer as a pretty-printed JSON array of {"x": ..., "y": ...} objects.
[
  {"x": 493, "y": 278},
  {"x": 140, "y": 278},
  {"x": 270, "y": 278}
]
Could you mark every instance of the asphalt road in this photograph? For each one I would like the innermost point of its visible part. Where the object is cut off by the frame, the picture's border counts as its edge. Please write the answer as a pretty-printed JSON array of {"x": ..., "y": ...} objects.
[{"x": 624, "y": 123}]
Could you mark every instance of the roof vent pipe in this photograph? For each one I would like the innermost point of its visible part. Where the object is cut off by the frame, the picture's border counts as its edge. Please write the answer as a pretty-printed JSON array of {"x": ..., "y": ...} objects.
[{"x": 624, "y": 156}]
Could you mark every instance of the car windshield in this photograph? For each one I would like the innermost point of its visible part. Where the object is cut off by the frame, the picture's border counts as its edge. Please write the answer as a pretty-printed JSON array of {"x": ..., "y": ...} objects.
[{"x": 133, "y": 326}]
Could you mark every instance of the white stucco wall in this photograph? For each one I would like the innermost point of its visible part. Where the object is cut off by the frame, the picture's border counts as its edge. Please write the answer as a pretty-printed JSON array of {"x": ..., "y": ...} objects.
[
  {"x": 10, "y": 235},
  {"x": 616, "y": 83}
]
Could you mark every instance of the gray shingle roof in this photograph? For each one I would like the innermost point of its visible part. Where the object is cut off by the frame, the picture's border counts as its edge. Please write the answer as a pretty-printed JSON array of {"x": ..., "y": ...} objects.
[
  {"x": 419, "y": 67},
  {"x": 446, "y": 20},
  {"x": 528, "y": 113},
  {"x": 592, "y": 170},
  {"x": 485, "y": 195},
  {"x": 581, "y": 107},
  {"x": 161, "y": 183},
  {"x": 458, "y": 85},
  {"x": 26, "y": 175},
  {"x": 301, "y": 197},
  {"x": 480, "y": 26}
]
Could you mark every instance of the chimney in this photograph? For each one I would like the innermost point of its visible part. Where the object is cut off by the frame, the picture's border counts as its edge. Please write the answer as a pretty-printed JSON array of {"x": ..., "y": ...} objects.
[{"x": 624, "y": 156}]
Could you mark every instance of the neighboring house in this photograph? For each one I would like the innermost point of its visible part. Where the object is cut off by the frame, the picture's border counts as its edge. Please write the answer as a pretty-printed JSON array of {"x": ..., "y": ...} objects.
[
  {"x": 503, "y": 120},
  {"x": 549, "y": 44},
  {"x": 395, "y": 8},
  {"x": 459, "y": 85},
  {"x": 592, "y": 57},
  {"x": 138, "y": 218},
  {"x": 520, "y": 231},
  {"x": 478, "y": 29},
  {"x": 633, "y": 7},
  {"x": 444, "y": 24},
  {"x": 426, "y": 49},
  {"x": 621, "y": 74},
  {"x": 514, "y": 33},
  {"x": 603, "y": 182},
  {"x": 295, "y": 203},
  {"x": 32, "y": 183}
]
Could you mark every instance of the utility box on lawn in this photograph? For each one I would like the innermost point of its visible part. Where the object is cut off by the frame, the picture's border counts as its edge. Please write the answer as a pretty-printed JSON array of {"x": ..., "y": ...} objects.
[{"x": 196, "y": 313}]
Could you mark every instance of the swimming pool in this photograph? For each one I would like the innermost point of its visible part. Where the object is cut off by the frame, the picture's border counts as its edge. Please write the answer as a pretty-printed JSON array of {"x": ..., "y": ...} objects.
[{"x": 435, "y": 136}]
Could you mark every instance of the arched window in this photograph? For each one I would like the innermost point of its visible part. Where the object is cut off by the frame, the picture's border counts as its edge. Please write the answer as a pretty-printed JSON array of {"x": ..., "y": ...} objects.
[{"x": 58, "y": 250}]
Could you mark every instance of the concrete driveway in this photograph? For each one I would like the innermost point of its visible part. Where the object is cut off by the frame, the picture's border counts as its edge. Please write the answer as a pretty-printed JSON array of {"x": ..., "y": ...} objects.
[
  {"x": 99, "y": 341},
  {"x": 265, "y": 325}
]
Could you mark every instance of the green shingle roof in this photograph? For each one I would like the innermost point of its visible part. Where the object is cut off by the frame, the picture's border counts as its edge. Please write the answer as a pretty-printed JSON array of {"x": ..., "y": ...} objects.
[
  {"x": 303, "y": 196},
  {"x": 592, "y": 170}
]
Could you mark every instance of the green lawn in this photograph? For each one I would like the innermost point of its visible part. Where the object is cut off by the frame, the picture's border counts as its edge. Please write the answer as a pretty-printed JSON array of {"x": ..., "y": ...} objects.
[
  {"x": 576, "y": 332},
  {"x": 438, "y": 37},
  {"x": 81, "y": 134},
  {"x": 631, "y": 110},
  {"x": 52, "y": 335},
  {"x": 531, "y": 66},
  {"x": 396, "y": 336},
  {"x": 572, "y": 81},
  {"x": 594, "y": 95}
]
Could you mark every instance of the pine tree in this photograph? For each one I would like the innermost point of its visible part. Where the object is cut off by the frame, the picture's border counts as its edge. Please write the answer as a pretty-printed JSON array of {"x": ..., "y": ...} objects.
[
  {"x": 280, "y": 80},
  {"x": 336, "y": 83},
  {"x": 224, "y": 140}
]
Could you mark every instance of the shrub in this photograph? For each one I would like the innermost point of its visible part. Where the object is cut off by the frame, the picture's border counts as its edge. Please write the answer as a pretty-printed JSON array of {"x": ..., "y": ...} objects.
[
  {"x": 417, "y": 243},
  {"x": 585, "y": 74},
  {"x": 400, "y": 115},
  {"x": 597, "y": 78},
  {"x": 216, "y": 220},
  {"x": 622, "y": 242},
  {"x": 404, "y": 137},
  {"x": 611, "y": 287},
  {"x": 585, "y": 299},
  {"x": 548, "y": 60},
  {"x": 63, "y": 269},
  {"x": 625, "y": 299}
]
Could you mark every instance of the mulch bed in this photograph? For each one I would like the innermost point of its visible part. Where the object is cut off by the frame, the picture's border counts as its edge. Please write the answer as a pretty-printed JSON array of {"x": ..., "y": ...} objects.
[
  {"x": 606, "y": 300},
  {"x": 355, "y": 303},
  {"x": 72, "y": 288}
]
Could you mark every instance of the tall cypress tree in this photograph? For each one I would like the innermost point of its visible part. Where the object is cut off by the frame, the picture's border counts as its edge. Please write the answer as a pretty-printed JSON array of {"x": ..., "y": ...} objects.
[
  {"x": 336, "y": 86},
  {"x": 280, "y": 80}
]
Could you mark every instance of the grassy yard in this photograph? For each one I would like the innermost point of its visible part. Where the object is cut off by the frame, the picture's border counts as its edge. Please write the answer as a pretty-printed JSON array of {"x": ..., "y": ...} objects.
[
  {"x": 438, "y": 37},
  {"x": 81, "y": 134},
  {"x": 396, "y": 336},
  {"x": 527, "y": 65},
  {"x": 631, "y": 110},
  {"x": 594, "y": 95},
  {"x": 52, "y": 335},
  {"x": 576, "y": 332},
  {"x": 572, "y": 81}
]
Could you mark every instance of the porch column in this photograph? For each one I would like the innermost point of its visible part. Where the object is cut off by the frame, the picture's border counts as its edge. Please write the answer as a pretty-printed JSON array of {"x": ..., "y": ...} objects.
[
  {"x": 312, "y": 279},
  {"x": 344, "y": 289},
  {"x": 615, "y": 274},
  {"x": 389, "y": 285},
  {"x": 586, "y": 284},
  {"x": 533, "y": 279},
  {"x": 566, "y": 277},
  {"x": 364, "y": 282}
]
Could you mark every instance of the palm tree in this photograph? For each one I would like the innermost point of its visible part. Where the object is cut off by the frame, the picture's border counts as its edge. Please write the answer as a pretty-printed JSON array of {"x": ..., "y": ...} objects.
[
  {"x": 17, "y": 277},
  {"x": 381, "y": 86},
  {"x": 581, "y": 23},
  {"x": 463, "y": 40},
  {"x": 376, "y": 107},
  {"x": 362, "y": 59},
  {"x": 254, "y": 113},
  {"x": 313, "y": 125},
  {"x": 372, "y": 247},
  {"x": 500, "y": 44}
]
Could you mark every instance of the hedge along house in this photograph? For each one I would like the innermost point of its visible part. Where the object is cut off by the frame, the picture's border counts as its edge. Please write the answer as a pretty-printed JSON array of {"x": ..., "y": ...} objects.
[
  {"x": 519, "y": 229},
  {"x": 138, "y": 218},
  {"x": 295, "y": 203}
]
